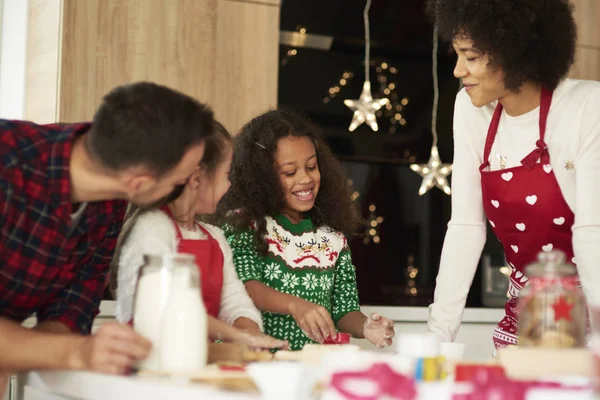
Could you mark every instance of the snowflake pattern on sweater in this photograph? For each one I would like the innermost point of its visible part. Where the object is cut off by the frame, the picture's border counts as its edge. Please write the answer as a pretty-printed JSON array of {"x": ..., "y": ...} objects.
[{"x": 310, "y": 262}]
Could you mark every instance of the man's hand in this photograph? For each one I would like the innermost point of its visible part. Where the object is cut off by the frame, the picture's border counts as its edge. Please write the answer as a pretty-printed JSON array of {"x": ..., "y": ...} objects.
[
  {"x": 52, "y": 327},
  {"x": 4, "y": 382},
  {"x": 112, "y": 350}
]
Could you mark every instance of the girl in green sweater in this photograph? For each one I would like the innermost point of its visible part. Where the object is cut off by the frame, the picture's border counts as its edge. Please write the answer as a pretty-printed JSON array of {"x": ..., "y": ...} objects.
[{"x": 292, "y": 203}]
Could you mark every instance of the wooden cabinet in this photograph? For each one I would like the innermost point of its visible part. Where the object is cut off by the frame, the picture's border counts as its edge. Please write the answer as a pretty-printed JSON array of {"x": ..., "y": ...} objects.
[
  {"x": 587, "y": 58},
  {"x": 587, "y": 64},
  {"x": 222, "y": 52},
  {"x": 587, "y": 15},
  {"x": 106, "y": 43},
  {"x": 247, "y": 60}
]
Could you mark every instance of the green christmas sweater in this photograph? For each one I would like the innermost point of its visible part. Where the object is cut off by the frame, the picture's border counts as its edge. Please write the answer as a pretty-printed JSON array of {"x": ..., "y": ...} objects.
[{"x": 303, "y": 260}]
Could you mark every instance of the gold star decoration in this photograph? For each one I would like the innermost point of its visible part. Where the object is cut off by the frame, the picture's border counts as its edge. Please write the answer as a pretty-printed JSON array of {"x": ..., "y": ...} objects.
[
  {"x": 434, "y": 173},
  {"x": 365, "y": 108},
  {"x": 570, "y": 166}
]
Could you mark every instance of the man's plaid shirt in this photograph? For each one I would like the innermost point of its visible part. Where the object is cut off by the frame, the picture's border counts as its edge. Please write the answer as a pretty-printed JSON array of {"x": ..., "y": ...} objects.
[{"x": 49, "y": 265}]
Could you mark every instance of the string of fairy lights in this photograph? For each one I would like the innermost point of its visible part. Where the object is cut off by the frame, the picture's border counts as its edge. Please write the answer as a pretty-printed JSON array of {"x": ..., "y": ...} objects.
[{"x": 391, "y": 106}]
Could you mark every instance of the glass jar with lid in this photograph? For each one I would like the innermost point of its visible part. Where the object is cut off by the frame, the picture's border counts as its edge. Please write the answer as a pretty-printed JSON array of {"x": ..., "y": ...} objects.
[{"x": 552, "y": 309}]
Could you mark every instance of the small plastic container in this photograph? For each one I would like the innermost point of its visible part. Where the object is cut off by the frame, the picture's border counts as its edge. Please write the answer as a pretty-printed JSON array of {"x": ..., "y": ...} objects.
[
  {"x": 341, "y": 338},
  {"x": 378, "y": 382},
  {"x": 424, "y": 350},
  {"x": 478, "y": 373}
]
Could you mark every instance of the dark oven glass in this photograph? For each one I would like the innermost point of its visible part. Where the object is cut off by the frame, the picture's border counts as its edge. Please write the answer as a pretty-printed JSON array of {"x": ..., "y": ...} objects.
[{"x": 397, "y": 256}]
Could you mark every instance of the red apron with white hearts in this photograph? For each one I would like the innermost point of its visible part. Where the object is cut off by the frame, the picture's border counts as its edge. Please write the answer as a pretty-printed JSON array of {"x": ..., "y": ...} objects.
[
  {"x": 528, "y": 213},
  {"x": 209, "y": 259}
]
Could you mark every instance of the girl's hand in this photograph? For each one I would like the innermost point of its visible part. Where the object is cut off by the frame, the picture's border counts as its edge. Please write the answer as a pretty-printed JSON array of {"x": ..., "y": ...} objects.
[
  {"x": 379, "y": 330},
  {"x": 247, "y": 325},
  {"x": 262, "y": 342},
  {"x": 222, "y": 331},
  {"x": 314, "y": 320}
]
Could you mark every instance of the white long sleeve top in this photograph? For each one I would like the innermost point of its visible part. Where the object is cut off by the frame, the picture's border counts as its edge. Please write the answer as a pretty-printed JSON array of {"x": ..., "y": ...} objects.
[
  {"x": 573, "y": 139},
  {"x": 154, "y": 233}
]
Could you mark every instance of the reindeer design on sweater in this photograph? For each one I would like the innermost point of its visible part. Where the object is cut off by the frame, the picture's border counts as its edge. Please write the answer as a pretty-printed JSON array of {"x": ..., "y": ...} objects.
[
  {"x": 326, "y": 249},
  {"x": 276, "y": 239},
  {"x": 306, "y": 251},
  {"x": 315, "y": 248}
]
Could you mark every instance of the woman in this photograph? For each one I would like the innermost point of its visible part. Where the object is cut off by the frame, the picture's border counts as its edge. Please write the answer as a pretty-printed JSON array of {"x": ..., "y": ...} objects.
[{"x": 527, "y": 150}]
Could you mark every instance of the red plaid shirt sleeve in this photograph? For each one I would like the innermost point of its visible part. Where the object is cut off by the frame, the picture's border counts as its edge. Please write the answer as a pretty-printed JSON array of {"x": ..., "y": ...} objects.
[
  {"x": 77, "y": 305},
  {"x": 6, "y": 187},
  {"x": 4, "y": 190}
]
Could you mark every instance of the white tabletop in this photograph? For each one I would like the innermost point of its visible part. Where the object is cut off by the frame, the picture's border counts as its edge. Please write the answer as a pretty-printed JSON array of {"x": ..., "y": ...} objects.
[{"x": 89, "y": 386}]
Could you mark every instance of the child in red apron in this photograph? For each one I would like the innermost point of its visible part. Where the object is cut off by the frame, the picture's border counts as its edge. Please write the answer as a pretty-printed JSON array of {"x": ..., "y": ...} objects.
[
  {"x": 174, "y": 227},
  {"x": 526, "y": 151}
]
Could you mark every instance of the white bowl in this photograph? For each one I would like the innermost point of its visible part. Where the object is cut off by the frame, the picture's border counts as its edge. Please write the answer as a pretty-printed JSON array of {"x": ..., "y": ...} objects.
[
  {"x": 283, "y": 379},
  {"x": 452, "y": 351},
  {"x": 417, "y": 345}
]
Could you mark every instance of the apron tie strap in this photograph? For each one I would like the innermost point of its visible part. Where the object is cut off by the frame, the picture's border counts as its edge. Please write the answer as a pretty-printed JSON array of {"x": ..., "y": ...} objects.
[{"x": 540, "y": 152}]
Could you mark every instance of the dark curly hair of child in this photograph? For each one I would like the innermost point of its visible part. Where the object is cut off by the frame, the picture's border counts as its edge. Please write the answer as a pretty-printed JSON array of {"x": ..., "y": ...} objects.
[
  {"x": 256, "y": 190},
  {"x": 529, "y": 40}
]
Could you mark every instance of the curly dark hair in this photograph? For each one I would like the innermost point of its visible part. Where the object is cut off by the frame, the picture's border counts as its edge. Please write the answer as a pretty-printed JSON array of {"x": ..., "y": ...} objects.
[
  {"x": 256, "y": 189},
  {"x": 530, "y": 40}
]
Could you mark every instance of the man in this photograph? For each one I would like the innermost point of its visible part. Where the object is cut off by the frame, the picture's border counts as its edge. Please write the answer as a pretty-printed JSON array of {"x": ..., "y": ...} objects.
[{"x": 63, "y": 194}]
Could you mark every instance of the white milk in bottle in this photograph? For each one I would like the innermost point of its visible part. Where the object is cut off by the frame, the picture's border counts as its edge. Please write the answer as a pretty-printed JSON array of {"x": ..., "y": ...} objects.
[
  {"x": 152, "y": 293},
  {"x": 184, "y": 332}
]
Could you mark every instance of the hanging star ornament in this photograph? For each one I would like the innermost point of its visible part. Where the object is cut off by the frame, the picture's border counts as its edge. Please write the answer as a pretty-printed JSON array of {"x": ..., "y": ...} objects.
[
  {"x": 365, "y": 108},
  {"x": 434, "y": 173}
]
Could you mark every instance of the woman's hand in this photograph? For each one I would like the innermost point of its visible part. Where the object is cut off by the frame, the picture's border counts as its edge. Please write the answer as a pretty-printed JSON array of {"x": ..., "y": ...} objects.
[
  {"x": 314, "y": 320},
  {"x": 379, "y": 330}
]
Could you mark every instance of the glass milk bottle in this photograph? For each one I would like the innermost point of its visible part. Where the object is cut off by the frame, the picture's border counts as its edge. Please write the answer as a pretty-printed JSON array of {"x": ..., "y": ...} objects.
[
  {"x": 151, "y": 295},
  {"x": 184, "y": 333},
  {"x": 552, "y": 307}
]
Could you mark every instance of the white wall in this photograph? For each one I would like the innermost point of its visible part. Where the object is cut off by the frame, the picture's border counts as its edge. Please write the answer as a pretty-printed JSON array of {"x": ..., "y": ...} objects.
[
  {"x": 13, "y": 45},
  {"x": 13, "y": 49},
  {"x": 476, "y": 330}
]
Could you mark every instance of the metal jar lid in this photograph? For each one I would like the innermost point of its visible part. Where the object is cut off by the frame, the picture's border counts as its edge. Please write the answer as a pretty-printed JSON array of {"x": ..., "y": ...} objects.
[{"x": 550, "y": 263}]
